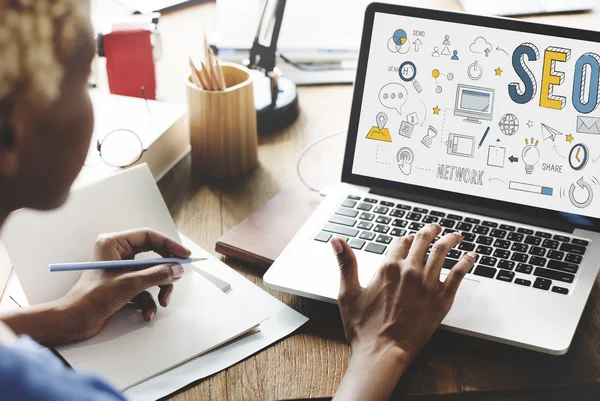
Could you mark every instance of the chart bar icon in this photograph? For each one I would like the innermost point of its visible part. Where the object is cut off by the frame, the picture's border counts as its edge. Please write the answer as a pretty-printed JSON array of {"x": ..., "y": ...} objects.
[{"x": 531, "y": 188}]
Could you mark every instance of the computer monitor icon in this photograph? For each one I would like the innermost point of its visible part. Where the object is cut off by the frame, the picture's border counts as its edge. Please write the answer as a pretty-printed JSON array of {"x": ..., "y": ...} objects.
[{"x": 474, "y": 103}]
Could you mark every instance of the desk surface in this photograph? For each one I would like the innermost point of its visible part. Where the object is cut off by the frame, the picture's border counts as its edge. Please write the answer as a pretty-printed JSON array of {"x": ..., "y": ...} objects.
[{"x": 310, "y": 364}]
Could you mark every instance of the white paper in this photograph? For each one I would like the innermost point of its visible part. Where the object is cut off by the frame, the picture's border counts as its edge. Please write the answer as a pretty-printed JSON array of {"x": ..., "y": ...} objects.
[
  {"x": 13, "y": 296},
  {"x": 5, "y": 269},
  {"x": 128, "y": 350},
  {"x": 34, "y": 239},
  {"x": 284, "y": 321},
  {"x": 217, "y": 282},
  {"x": 149, "y": 119},
  {"x": 199, "y": 318}
]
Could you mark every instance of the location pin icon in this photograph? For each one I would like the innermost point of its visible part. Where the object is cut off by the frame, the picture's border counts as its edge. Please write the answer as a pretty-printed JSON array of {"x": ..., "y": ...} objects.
[{"x": 381, "y": 120}]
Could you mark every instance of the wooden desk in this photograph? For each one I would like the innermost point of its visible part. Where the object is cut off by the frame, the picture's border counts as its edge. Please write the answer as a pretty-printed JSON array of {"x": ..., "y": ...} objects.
[{"x": 310, "y": 364}]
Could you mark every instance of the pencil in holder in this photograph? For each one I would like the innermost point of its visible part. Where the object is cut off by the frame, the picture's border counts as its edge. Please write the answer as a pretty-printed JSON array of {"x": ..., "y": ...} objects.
[{"x": 223, "y": 130}]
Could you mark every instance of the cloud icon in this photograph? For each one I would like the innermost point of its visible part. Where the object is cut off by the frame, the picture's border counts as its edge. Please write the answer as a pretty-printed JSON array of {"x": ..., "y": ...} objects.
[{"x": 480, "y": 45}]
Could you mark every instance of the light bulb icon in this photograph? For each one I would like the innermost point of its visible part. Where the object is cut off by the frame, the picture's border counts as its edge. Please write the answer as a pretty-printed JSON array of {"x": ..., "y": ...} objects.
[{"x": 531, "y": 155}]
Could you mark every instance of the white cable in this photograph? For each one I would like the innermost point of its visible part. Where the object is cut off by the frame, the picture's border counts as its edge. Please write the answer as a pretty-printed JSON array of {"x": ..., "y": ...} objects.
[{"x": 305, "y": 151}]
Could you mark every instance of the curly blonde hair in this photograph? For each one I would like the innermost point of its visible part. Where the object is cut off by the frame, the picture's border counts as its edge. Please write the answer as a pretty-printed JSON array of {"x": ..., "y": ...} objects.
[{"x": 36, "y": 37}]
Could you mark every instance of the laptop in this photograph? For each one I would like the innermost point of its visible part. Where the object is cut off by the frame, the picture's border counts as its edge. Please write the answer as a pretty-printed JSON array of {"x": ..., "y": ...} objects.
[
  {"x": 525, "y": 7},
  {"x": 489, "y": 127}
]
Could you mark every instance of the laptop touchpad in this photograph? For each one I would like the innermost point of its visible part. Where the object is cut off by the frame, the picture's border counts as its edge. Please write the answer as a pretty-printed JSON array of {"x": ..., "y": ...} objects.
[{"x": 462, "y": 301}]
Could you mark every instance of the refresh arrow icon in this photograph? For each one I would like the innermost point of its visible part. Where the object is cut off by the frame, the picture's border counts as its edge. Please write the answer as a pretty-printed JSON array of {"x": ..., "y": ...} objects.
[{"x": 582, "y": 184}]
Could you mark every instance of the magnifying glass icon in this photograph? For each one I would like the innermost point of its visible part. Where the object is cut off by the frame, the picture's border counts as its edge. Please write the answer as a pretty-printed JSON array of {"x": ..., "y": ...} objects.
[{"x": 408, "y": 72}]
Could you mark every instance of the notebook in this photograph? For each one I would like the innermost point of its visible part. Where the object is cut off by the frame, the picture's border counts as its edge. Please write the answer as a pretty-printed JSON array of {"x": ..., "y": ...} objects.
[
  {"x": 259, "y": 239},
  {"x": 199, "y": 318}
]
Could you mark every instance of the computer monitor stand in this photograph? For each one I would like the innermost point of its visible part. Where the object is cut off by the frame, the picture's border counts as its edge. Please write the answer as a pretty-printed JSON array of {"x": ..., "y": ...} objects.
[{"x": 472, "y": 120}]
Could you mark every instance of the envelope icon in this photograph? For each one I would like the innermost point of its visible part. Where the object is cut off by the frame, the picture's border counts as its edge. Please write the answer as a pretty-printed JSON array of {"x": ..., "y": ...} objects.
[{"x": 588, "y": 125}]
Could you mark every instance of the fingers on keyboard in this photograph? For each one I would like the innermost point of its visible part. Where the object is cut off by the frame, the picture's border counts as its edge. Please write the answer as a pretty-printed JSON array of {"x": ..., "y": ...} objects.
[{"x": 507, "y": 253}]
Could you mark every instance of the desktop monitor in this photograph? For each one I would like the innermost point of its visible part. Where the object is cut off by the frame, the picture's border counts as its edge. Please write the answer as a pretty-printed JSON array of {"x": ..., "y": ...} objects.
[{"x": 474, "y": 103}]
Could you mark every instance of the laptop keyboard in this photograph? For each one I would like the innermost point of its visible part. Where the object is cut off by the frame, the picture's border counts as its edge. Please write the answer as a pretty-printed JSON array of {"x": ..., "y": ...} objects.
[{"x": 509, "y": 253}]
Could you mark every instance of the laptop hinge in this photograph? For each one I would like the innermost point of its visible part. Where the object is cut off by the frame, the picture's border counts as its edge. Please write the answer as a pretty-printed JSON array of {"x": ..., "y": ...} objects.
[{"x": 511, "y": 216}]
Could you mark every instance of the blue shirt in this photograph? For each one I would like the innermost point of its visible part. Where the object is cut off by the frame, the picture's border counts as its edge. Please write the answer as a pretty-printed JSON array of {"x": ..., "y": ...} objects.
[{"x": 31, "y": 372}]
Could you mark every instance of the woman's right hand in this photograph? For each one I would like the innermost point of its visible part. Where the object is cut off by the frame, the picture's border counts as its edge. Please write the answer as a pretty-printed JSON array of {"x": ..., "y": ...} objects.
[
  {"x": 390, "y": 320},
  {"x": 98, "y": 294}
]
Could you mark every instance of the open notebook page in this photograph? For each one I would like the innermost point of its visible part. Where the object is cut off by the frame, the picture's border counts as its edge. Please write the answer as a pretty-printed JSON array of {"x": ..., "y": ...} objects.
[{"x": 199, "y": 318}]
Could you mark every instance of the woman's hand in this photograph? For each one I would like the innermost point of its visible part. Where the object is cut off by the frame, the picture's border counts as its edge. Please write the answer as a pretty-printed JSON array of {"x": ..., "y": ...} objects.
[
  {"x": 98, "y": 294},
  {"x": 388, "y": 322}
]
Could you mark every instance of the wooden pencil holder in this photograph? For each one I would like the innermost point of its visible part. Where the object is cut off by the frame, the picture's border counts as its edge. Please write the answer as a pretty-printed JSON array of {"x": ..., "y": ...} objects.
[{"x": 223, "y": 130}]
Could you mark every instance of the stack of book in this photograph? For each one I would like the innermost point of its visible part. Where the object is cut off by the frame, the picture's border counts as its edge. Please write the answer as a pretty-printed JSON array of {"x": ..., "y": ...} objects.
[{"x": 161, "y": 127}]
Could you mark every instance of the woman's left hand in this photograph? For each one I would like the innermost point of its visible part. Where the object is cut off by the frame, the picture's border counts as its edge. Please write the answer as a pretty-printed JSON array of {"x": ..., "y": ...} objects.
[{"x": 98, "y": 294}]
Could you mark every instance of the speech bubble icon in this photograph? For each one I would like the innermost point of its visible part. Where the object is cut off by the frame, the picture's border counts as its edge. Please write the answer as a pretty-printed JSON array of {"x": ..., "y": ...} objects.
[{"x": 393, "y": 96}]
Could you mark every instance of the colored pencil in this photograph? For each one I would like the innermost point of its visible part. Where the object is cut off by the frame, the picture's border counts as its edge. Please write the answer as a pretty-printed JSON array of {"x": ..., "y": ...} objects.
[
  {"x": 120, "y": 264},
  {"x": 220, "y": 74}
]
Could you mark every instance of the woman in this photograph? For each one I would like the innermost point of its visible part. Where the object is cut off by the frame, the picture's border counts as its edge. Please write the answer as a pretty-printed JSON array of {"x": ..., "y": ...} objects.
[{"x": 46, "y": 121}]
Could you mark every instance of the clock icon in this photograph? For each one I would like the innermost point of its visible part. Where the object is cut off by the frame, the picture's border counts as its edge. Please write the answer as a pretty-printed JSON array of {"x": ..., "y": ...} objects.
[{"x": 578, "y": 157}]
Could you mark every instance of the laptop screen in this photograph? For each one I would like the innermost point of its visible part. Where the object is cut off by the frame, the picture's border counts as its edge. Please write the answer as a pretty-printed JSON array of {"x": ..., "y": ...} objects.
[{"x": 493, "y": 113}]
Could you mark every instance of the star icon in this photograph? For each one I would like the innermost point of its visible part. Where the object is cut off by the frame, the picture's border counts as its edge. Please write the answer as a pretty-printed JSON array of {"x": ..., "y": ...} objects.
[
  {"x": 499, "y": 71},
  {"x": 530, "y": 123},
  {"x": 436, "y": 110},
  {"x": 569, "y": 138}
]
